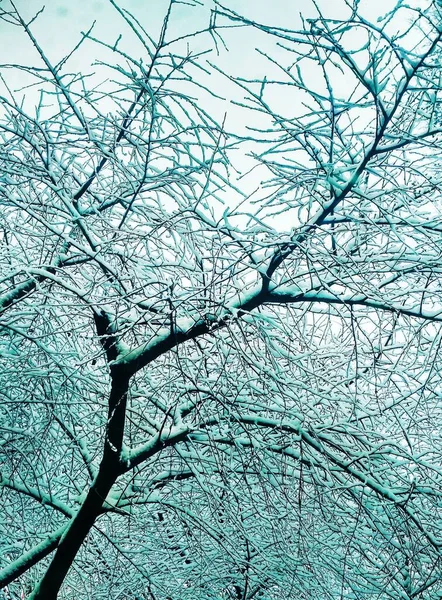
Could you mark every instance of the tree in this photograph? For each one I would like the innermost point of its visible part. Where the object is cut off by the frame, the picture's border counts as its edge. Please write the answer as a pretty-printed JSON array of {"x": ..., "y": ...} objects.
[{"x": 212, "y": 393}]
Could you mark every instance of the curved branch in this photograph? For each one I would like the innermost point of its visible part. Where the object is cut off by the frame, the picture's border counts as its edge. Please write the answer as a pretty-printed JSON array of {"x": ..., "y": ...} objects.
[{"x": 34, "y": 493}]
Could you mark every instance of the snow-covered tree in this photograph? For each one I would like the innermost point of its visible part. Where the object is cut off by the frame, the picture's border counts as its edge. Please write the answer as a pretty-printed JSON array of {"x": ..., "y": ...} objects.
[{"x": 220, "y": 336}]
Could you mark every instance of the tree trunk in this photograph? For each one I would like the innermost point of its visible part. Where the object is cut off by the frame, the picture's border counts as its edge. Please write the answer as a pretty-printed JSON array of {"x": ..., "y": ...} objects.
[
  {"x": 76, "y": 533},
  {"x": 82, "y": 523}
]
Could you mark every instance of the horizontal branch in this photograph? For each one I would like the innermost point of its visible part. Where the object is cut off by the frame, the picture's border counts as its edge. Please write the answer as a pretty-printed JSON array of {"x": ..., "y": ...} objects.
[{"x": 288, "y": 296}]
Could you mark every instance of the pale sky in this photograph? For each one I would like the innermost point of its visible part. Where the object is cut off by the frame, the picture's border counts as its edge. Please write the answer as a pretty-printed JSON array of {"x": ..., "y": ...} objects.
[{"x": 59, "y": 27}]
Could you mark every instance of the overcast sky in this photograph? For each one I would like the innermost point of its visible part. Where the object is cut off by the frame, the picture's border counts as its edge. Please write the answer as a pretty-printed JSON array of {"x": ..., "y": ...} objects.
[{"x": 59, "y": 27}]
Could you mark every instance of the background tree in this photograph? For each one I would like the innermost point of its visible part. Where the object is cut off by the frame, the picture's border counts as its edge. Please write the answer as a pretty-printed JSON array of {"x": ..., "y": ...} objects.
[{"x": 211, "y": 393}]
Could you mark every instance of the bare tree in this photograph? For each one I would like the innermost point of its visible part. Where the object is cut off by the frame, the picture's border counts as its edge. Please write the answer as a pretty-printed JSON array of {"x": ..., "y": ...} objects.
[{"x": 208, "y": 393}]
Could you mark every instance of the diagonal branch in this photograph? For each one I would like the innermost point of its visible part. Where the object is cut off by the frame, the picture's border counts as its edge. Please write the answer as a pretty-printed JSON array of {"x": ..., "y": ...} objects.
[{"x": 31, "y": 558}]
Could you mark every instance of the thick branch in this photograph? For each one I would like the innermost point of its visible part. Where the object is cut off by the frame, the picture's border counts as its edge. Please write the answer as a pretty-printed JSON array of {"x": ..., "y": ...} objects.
[
  {"x": 30, "y": 558},
  {"x": 138, "y": 358},
  {"x": 92, "y": 507},
  {"x": 294, "y": 297}
]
